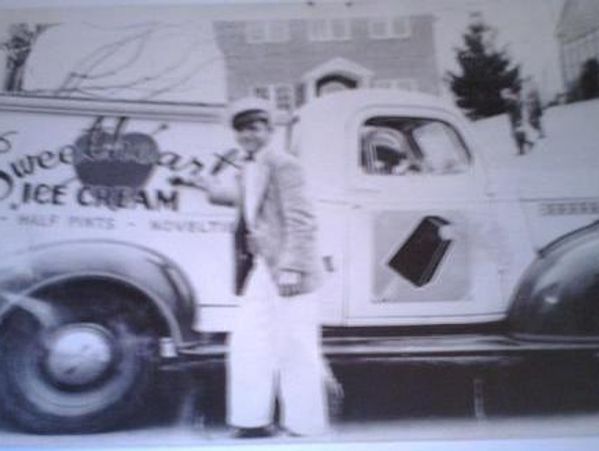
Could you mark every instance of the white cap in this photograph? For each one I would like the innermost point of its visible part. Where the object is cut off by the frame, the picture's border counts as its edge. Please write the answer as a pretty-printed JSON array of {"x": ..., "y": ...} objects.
[{"x": 250, "y": 108}]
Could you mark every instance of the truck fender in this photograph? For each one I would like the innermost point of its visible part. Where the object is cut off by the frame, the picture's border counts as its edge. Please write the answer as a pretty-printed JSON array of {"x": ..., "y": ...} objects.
[
  {"x": 35, "y": 277},
  {"x": 557, "y": 298}
]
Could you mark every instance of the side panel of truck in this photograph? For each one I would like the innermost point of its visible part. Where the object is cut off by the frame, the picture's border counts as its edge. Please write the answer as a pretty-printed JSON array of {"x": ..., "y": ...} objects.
[{"x": 44, "y": 200}]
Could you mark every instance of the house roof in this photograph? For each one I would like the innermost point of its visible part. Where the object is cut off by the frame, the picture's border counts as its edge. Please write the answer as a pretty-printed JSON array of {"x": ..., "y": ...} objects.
[{"x": 578, "y": 18}]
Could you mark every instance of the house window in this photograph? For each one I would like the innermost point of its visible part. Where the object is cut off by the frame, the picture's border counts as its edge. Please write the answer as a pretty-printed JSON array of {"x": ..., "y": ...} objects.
[
  {"x": 401, "y": 27},
  {"x": 260, "y": 31},
  {"x": 255, "y": 32},
  {"x": 300, "y": 94},
  {"x": 389, "y": 27},
  {"x": 279, "y": 31},
  {"x": 405, "y": 84},
  {"x": 281, "y": 95},
  {"x": 261, "y": 91},
  {"x": 329, "y": 30},
  {"x": 378, "y": 28},
  {"x": 339, "y": 29}
]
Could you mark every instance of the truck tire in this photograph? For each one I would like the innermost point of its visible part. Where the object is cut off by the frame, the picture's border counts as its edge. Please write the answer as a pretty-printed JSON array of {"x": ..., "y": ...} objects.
[{"x": 90, "y": 372}]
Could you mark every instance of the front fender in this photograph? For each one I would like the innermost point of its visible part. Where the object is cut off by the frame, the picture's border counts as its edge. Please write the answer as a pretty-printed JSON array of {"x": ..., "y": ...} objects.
[
  {"x": 558, "y": 296},
  {"x": 140, "y": 268}
]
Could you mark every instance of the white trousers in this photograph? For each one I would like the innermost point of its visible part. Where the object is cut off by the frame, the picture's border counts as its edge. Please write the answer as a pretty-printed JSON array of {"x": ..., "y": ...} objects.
[{"x": 274, "y": 351}]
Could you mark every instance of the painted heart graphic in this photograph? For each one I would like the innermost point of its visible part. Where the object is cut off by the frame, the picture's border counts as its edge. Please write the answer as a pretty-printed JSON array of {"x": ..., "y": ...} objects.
[{"x": 124, "y": 160}]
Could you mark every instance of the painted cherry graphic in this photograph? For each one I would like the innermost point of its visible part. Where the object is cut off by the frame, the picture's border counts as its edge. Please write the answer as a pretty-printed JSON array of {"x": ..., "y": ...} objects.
[{"x": 116, "y": 159}]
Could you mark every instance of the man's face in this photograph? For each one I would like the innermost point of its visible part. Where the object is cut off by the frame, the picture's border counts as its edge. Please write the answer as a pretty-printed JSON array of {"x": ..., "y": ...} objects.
[{"x": 253, "y": 136}]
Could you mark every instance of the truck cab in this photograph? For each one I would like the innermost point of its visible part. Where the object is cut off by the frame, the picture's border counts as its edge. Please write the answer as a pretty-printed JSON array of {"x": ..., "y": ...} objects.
[{"x": 425, "y": 238}]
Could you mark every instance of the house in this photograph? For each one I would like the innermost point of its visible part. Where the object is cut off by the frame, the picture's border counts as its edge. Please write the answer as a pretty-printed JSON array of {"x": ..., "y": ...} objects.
[
  {"x": 578, "y": 36},
  {"x": 294, "y": 60}
]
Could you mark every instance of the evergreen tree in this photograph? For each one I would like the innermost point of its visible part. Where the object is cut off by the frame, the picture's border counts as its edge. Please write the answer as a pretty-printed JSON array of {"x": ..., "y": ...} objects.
[
  {"x": 485, "y": 72},
  {"x": 588, "y": 82}
]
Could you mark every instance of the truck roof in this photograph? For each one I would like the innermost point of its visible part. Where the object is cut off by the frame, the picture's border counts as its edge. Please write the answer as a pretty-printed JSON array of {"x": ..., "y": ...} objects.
[{"x": 352, "y": 100}]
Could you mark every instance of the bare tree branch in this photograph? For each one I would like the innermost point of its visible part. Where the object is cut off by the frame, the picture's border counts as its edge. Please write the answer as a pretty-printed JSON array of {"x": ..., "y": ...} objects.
[
  {"x": 182, "y": 80},
  {"x": 100, "y": 55}
]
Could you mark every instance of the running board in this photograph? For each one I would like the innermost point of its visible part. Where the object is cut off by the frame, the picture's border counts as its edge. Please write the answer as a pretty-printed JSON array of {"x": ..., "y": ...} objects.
[{"x": 430, "y": 347}]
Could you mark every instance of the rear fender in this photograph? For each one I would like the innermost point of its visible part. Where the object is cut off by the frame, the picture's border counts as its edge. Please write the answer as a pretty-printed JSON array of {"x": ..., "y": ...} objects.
[{"x": 558, "y": 295}]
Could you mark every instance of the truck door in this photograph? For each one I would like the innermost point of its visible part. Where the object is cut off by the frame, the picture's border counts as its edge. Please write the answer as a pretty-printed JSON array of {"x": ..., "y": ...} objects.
[{"x": 421, "y": 225}]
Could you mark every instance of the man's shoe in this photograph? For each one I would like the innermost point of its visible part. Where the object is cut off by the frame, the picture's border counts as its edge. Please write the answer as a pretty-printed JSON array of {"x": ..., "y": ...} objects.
[{"x": 260, "y": 432}]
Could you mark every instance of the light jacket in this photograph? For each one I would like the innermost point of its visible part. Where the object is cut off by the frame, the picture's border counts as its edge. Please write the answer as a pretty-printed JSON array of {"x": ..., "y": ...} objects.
[{"x": 280, "y": 217}]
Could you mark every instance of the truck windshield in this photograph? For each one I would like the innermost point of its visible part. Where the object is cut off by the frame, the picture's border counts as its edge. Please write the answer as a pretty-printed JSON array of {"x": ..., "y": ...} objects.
[{"x": 402, "y": 145}]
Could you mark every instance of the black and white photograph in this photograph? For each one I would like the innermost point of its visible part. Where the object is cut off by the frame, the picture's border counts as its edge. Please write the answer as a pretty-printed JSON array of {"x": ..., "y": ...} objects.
[{"x": 299, "y": 222}]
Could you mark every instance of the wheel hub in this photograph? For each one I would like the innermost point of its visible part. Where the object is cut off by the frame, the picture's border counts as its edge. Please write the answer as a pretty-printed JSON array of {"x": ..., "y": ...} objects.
[{"x": 79, "y": 354}]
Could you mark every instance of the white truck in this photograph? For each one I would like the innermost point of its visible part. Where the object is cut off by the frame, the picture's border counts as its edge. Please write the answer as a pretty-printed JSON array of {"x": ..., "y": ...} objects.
[{"x": 112, "y": 267}]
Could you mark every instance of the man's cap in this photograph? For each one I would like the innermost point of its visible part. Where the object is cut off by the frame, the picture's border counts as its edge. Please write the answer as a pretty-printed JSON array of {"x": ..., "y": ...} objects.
[{"x": 249, "y": 109}]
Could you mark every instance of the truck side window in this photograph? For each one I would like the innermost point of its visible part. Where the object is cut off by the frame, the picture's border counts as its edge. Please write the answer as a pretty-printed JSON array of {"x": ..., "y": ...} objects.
[
  {"x": 400, "y": 145},
  {"x": 385, "y": 151}
]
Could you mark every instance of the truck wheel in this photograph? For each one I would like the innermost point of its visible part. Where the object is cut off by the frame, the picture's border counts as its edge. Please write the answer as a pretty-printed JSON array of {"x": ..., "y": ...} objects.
[{"x": 87, "y": 373}]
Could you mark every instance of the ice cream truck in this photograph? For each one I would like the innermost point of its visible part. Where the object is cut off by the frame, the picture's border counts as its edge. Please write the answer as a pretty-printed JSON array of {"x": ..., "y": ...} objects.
[{"x": 113, "y": 264}]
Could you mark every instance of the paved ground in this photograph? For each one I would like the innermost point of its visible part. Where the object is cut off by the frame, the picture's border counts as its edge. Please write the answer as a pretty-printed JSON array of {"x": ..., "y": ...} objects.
[
  {"x": 399, "y": 403},
  {"x": 406, "y": 431}
]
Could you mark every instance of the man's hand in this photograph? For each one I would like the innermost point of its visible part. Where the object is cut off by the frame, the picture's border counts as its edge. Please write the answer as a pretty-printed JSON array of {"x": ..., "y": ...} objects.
[
  {"x": 201, "y": 182},
  {"x": 289, "y": 283}
]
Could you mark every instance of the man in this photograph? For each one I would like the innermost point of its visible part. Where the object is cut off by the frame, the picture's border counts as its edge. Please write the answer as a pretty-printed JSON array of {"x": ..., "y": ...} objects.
[
  {"x": 274, "y": 348},
  {"x": 535, "y": 111},
  {"x": 513, "y": 107}
]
